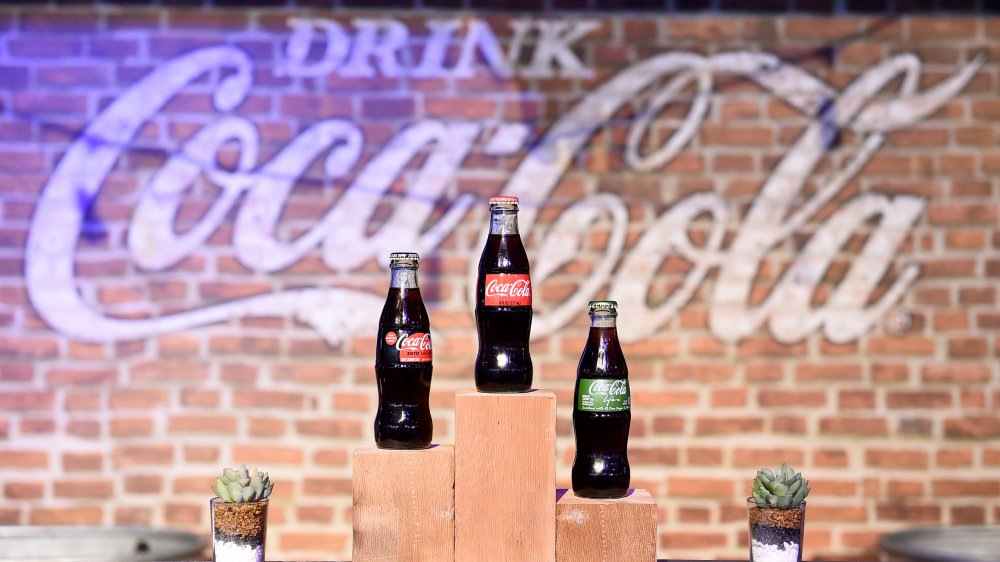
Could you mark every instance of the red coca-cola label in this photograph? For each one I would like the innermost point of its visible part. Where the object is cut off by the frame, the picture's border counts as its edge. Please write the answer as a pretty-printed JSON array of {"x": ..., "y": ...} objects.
[
  {"x": 507, "y": 289},
  {"x": 413, "y": 348},
  {"x": 390, "y": 338}
]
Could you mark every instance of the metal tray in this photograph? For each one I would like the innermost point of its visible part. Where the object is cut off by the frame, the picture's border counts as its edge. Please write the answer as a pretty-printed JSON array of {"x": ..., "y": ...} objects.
[
  {"x": 76, "y": 542},
  {"x": 945, "y": 544}
]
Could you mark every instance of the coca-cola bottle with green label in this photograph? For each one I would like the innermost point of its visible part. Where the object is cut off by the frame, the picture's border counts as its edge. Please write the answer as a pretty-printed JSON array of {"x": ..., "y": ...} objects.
[{"x": 602, "y": 410}]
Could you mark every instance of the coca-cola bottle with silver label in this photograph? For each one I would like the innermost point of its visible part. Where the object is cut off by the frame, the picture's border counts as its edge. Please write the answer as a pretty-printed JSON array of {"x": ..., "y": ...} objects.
[
  {"x": 503, "y": 305},
  {"x": 602, "y": 410},
  {"x": 403, "y": 361}
]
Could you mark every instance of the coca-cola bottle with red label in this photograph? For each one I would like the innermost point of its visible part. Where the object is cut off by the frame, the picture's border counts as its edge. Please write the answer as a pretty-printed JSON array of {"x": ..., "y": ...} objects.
[
  {"x": 602, "y": 410},
  {"x": 403, "y": 361},
  {"x": 503, "y": 305}
]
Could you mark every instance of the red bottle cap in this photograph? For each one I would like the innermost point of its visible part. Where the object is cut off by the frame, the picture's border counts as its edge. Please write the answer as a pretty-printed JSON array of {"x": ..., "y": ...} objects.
[{"x": 503, "y": 200}]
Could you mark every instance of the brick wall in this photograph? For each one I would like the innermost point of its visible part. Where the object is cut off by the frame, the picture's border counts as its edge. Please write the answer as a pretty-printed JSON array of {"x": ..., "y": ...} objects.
[{"x": 895, "y": 426}]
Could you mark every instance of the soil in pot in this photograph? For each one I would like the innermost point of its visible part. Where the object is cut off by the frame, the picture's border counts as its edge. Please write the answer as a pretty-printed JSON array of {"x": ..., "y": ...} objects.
[
  {"x": 776, "y": 534},
  {"x": 239, "y": 530}
]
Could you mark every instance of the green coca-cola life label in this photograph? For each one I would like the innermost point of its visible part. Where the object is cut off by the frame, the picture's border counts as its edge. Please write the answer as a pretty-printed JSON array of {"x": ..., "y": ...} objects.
[{"x": 604, "y": 395}]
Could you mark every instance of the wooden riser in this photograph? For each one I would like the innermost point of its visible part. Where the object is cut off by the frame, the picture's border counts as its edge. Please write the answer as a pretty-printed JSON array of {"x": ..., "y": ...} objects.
[
  {"x": 619, "y": 530},
  {"x": 404, "y": 504},
  {"x": 505, "y": 477}
]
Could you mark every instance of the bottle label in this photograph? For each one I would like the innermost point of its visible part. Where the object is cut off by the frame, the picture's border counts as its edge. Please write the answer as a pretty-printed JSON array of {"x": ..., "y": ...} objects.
[
  {"x": 508, "y": 289},
  {"x": 604, "y": 395},
  {"x": 400, "y": 346}
]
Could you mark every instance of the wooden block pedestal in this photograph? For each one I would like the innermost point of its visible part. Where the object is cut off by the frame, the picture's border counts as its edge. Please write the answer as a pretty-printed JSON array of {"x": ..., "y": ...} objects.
[
  {"x": 505, "y": 449},
  {"x": 619, "y": 530},
  {"x": 404, "y": 504}
]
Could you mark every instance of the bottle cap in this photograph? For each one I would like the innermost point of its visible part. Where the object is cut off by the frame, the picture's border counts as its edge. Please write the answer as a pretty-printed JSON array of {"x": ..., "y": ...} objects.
[
  {"x": 503, "y": 200},
  {"x": 404, "y": 258},
  {"x": 603, "y": 305}
]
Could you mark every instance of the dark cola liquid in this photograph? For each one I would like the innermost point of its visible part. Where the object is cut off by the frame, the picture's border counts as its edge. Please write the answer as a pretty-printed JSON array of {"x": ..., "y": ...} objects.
[
  {"x": 601, "y": 469},
  {"x": 503, "y": 363},
  {"x": 403, "y": 420}
]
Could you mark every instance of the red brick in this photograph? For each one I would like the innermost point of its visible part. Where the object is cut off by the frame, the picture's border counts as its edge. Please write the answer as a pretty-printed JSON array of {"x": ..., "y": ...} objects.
[
  {"x": 897, "y": 459},
  {"x": 973, "y": 427},
  {"x": 837, "y": 514},
  {"x": 184, "y": 514},
  {"x": 931, "y": 28},
  {"x": 29, "y": 348},
  {"x": 957, "y": 373},
  {"x": 316, "y": 105},
  {"x": 255, "y": 345},
  {"x": 26, "y": 400},
  {"x": 66, "y": 516},
  {"x": 202, "y": 424},
  {"x": 901, "y": 345},
  {"x": 962, "y": 214},
  {"x": 83, "y": 401},
  {"x": 653, "y": 455},
  {"x": 326, "y": 486},
  {"x": 861, "y": 427},
  {"x": 131, "y": 427},
  {"x": 137, "y": 398},
  {"x": 124, "y": 456},
  {"x": 950, "y": 488},
  {"x": 856, "y": 400},
  {"x": 267, "y": 455},
  {"x": 700, "y": 372},
  {"x": 768, "y": 347},
  {"x": 92, "y": 376},
  {"x": 15, "y": 490},
  {"x": 828, "y": 372},
  {"x": 330, "y": 457},
  {"x": 299, "y": 541},
  {"x": 736, "y": 135},
  {"x": 200, "y": 398},
  {"x": 955, "y": 458},
  {"x": 269, "y": 399},
  {"x": 781, "y": 398},
  {"x": 757, "y": 458},
  {"x": 697, "y": 487},
  {"x": 310, "y": 373},
  {"x": 95, "y": 489},
  {"x": 691, "y": 540},
  {"x": 142, "y": 516},
  {"x": 918, "y": 399},
  {"x": 728, "y": 426},
  {"x": 702, "y": 29},
  {"x": 82, "y": 462},
  {"x": 194, "y": 453},
  {"x": 143, "y": 484},
  {"x": 266, "y": 427},
  {"x": 329, "y": 427},
  {"x": 911, "y": 513},
  {"x": 173, "y": 370}
]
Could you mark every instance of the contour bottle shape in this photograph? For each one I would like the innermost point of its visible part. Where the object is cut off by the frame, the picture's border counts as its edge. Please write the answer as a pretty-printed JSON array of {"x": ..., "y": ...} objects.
[
  {"x": 602, "y": 410},
  {"x": 503, "y": 305},
  {"x": 403, "y": 361}
]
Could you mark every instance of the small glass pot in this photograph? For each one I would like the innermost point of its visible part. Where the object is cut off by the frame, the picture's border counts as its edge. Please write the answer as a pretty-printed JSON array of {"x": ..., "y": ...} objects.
[
  {"x": 775, "y": 534},
  {"x": 238, "y": 530}
]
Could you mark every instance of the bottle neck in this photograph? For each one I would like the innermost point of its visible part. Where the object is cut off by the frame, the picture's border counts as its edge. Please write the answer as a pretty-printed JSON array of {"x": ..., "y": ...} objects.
[
  {"x": 503, "y": 221},
  {"x": 403, "y": 278},
  {"x": 603, "y": 320}
]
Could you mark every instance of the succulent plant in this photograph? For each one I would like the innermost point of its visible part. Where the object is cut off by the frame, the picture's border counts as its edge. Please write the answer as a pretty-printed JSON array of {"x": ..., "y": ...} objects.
[
  {"x": 782, "y": 488},
  {"x": 242, "y": 485}
]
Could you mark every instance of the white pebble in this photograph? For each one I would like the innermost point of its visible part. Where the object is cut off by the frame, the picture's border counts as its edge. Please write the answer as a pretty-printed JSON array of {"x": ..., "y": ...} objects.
[
  {"x": 226, "y": 551},
  {"x": 762, "y": 552}
]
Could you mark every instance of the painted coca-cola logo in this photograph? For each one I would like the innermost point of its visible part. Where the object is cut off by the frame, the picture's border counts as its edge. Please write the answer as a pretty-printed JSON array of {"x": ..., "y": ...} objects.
[{"x": 255, "y": 192}]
